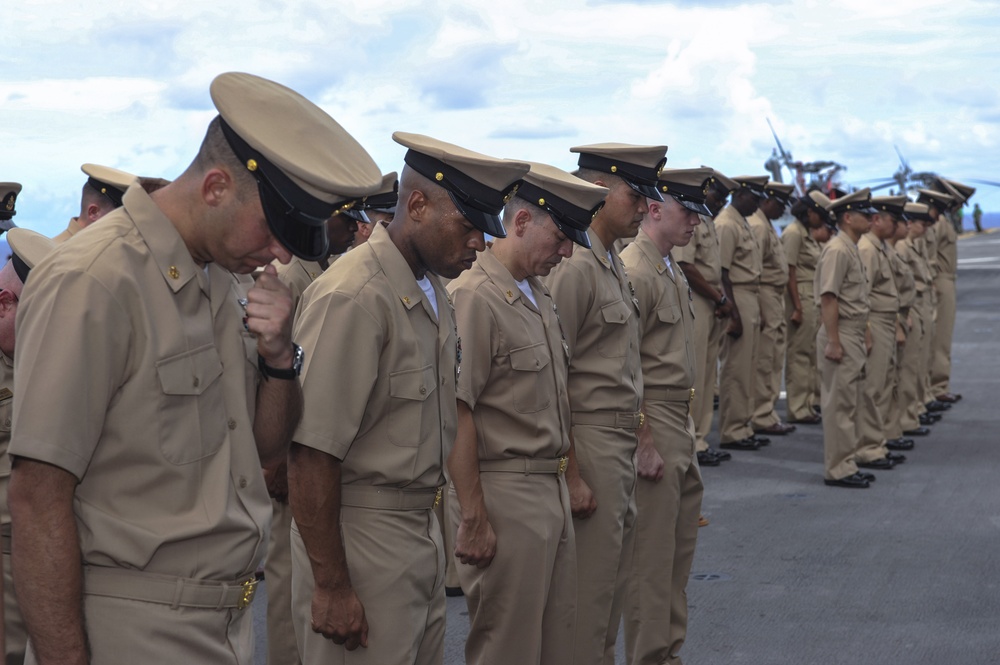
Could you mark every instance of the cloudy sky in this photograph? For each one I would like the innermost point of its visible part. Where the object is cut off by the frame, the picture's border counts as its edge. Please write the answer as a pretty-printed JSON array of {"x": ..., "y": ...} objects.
[{"x": 126, "y": 83}]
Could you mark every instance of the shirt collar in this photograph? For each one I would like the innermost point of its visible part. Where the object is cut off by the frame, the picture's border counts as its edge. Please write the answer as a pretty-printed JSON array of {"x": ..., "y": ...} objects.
[{"x": 165, "y": 243}]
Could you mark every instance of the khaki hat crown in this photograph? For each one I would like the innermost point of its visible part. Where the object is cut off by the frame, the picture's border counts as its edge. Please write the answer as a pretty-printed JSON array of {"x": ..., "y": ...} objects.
[
  {"x": 638, "y": 165},
  {"x": 479, "y": 185},
  {"x": 689, "y": 187},
  {"x": 891, "y": 204},
  {"x": 28, "y": 248},
  {"x": 939, "y": 200},
  {"x": 722, "y": 180},
  {"x": 386, "y": 197},
  {"x": 859, "y": 201},
  {"x": 917, "y": 211},
  {"x": 307, "y": 166},
  {"x": 571, "y": 202},
  {"x": 755, "y": 183},
  {"x": 779, "y": 190},
  {"x": 110, "y": 182}
]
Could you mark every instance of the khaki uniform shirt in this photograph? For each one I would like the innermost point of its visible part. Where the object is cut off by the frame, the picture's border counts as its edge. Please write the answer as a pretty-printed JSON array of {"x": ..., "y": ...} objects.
[
  {"x": 738, "y": 249},
  {"x": 135, "y": 374},
  {"x": 380, "y": 370},
  {"x": 72, "y": 229},
  {"x": 909, "y": 251},
  {"x": 514, "y": 368},
  {"x": 298, "y": 274},
  {"x": 601, "y": 322},
  {"x": 841, "y": 273},
  {"x": 666, "y": 317},
  {"x": 774, "y": 265},
  {"x": 6, "y": 406},
  {"x": 929, "y": 243},
  {"x": 703, "y": 252},
  {"x": 801, "y": 250},
  {"x": 882, "y": 293},
  {"x": 905, "y": 282},
  {"x": 947, "y": 246}
]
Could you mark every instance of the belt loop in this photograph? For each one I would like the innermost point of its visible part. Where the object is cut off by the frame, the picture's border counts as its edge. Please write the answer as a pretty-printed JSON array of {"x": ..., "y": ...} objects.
[
  {"x": 527, "y": 471},
  {"x": 223, "y": 593},
  {"x": 178, "y": 593}
]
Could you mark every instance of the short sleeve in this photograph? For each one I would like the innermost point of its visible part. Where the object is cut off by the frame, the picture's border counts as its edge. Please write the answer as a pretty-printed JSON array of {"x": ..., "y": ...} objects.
[
  {"x": 479, "y": 331},
  {"x": 792, "y": 242},
  {"x": 729, "y": 240},
  {"x": 831, "y": 272},
  {"x": 567, "y": 284}
]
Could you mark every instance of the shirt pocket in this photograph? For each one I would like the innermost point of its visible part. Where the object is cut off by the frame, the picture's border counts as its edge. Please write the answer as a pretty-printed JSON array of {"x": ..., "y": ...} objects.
[
  {"x": 411, "y": 418},
  {"x": 531, "y": 393},
  {"x": 669, "y": 314},
  {"x": 192, "y": 411},
  {"x": 615, "y": 333}
]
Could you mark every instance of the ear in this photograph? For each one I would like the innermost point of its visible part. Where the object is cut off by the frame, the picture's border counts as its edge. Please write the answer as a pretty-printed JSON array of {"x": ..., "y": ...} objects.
[
  {"x": 417, "y": 205},
  {"x": 521, "y": 221},
  {"x": 216, "y": 185},
  {"x": 7, "y": 301},
  {"x": 93, "y": 213}
]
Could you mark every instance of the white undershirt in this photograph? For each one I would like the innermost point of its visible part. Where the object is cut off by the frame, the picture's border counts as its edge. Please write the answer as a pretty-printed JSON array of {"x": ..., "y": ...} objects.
[
  {"x": 526, "y": 290},
  {"x": 428, "y": 289},
  {"x": 670, "y": 267}
]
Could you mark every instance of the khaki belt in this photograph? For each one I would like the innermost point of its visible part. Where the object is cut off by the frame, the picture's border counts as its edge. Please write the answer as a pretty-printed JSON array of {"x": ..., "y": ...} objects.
[
  {"x": 526, "y": 465},
  {"x": 173, "y": 591},
  {"x": 619, "y": 419},
  {"x": 389, "y": 498},
  {"x": 749, "y": 286},
  {"x": 668, "y": 394}
]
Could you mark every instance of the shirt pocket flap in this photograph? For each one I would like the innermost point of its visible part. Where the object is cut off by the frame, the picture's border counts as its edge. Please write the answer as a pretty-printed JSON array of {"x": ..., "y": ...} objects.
[
  {"x": 617, "y": 312},
  {"x": 189, "y": 373},
  {"x": 529, "y": 358},
  {"x": 669, "y": 314},
  {"x": 413, "y": 384}
]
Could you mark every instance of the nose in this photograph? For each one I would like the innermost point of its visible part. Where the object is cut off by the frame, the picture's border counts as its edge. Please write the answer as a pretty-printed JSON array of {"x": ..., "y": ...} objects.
[
  {"x": 478, "y": 241},
  {"x": 566, "y": 248},
  {"x": 279, "y": 251},
  {"x": 643, "y": 206}
]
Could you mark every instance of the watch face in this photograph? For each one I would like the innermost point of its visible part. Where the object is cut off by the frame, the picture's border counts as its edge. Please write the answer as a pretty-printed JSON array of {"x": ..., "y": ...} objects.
[{"x": 300, "y": 357}]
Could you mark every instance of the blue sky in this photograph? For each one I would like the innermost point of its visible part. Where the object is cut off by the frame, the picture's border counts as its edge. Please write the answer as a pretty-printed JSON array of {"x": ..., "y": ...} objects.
[{"x": 126, "y": 84}]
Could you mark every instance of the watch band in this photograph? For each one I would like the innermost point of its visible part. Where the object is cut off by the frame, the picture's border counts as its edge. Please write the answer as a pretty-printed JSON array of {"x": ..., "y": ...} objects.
[{"x": 285, "y": 374}]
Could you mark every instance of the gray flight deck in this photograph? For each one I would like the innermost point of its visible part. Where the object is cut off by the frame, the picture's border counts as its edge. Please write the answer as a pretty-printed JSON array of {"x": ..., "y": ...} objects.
[{"x": 791, "y": 572}]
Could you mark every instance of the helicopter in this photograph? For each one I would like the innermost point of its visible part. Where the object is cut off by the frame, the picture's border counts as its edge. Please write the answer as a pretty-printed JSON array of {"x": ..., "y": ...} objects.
[{"x": 808, "y": 176}]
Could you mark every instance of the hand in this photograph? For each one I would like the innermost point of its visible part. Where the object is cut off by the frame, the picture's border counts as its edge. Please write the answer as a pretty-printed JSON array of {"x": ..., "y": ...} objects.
[
  {"x": 276, "y": 479},
  {"x": 735, "y": 329},
  {"x": 724, "y": 311},
  {"x": 796, "y": 317},
  {"x": 900, "y": 336},
  {"x": 868, "y": 341},
  {"x": 475, "y": 541},
  {"x": 581, "y": 499},
  {"x": 834, "y": 351},
  {"x": 269, "y": 318},
  {"x": 340, "y": 616},
  {"x": 649, "y": 464}
]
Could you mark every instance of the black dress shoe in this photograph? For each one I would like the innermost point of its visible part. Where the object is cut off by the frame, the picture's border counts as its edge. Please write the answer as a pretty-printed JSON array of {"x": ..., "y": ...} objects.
[
  {"x": 761, "y": 440},
  {"x": 929, "y": 418},
  {"x": 742, "y": 444},
  {"x": 883, "y": 463},
  {"x": 855, "y": 480},
  {"x": 706, "y": 458},
  {"x": 814, "y": 419},
  {"x": 934, "y": 406},
  {"x": 867, "y": 475},
  {"x": 951, "y": 398},
  {"x": 722, "y": 455},
  {"x": 895, "y": 458},
  {"x": 818, "y": 410},
  {"x": 453, "y": 591},
  {"x": 920, "y": 431},
  {"x": 899, "y": 444},
  {"x": 715, "y": 403},
  {"x": 777, "y": 429}
]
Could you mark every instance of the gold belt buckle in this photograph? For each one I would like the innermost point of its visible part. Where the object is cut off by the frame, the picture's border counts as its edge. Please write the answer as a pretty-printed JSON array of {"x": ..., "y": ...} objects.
[
  {"x": 249, "y": 589},
  {"x": 437, "y": 497},
  {"x": 563, "y": 463},
  {"x": 691, "y": 396}
]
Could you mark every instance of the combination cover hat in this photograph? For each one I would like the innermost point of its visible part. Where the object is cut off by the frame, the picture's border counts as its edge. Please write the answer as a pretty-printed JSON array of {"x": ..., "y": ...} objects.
[
  {"x": 859, "y": 201},
  {"x": 637, "y": 165},
  {"x": 27, "y": 248},
  {"x": 722, "y": 180},
  {"x": 920, "y": 212},
  {"x": 571, "y": 202},
  {"x": 8, "y": 200},
  {"x": 386, "y": 197},
  {"x": 819, "y": 202},
  {"x": 307, "y": 167},
  {"x": 689, "y": 187},
  {"x": 894, "y": 205},
  {"x": 478, "y": 185},
  {"x": 108, "y": 181},
  {"x": 780, "y": 191},
  {"x": 939, "y": 200},
  {"x": 755, "y": 183}
]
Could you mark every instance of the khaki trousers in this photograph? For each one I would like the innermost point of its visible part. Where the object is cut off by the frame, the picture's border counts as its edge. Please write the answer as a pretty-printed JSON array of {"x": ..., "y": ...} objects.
[
  {"x": 708, "y": 332},
  {"x": 770, "y": 356},
  {"x": 930, "y": 333},
  {"x": 944, "y": 326},
  {"x": 522, "y": 607},
  {"x": 913, "y": 366},
  {"x": 842, "y": 391},
  {"x": 665, "y": 537},
  {"x": 281, "y": 646},
  {"x": 736, "y": 373},
  {"x": 396, "y": 562},
  {"x": 15, "y": 634},
  {"x": 801, "y": 372},
  {"x": 126, "y": 632},
  {"x": 448, "y": 533},
  {"x": 879, "y": 369},
  {"x": 604, "y": 541}
]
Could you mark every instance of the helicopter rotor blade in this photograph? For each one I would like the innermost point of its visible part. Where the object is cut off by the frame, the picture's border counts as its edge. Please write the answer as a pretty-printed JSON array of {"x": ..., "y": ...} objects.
[{"x": 781, "y": 149}]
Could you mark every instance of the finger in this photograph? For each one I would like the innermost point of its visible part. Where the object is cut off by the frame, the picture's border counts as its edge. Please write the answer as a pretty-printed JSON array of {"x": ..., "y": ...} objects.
[{"x": 364, "y": 632}]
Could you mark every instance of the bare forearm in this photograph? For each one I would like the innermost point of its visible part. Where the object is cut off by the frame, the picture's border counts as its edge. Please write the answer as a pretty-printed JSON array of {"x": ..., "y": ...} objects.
[
  {"x": 463, "y": 467},
  {"x": 793, "y": 288},
  {"x": 46, "y": 561},
  {"x": 698, "y": 282},
  {"x": 727, "y": 286},
  {"x": 830, "y": 315},
  {"x": 279, "y": 409},
  {"x": 314, "y": 493}
]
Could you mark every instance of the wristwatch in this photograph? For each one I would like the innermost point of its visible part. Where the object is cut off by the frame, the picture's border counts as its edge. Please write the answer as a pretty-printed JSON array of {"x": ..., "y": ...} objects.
[
  {"x": 721, "y": 301},
  {"x": 298, "y": 357}
]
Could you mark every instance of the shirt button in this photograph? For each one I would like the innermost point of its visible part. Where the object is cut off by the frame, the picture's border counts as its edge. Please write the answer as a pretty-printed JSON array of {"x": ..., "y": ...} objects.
[
  {"x": 423, "y": 391},
  {"x": 6, "y": 422},
  {"x": 243, "y": 482},
  {"x": 196, "y": 382},
  {"x": 232, "y": 423}
]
